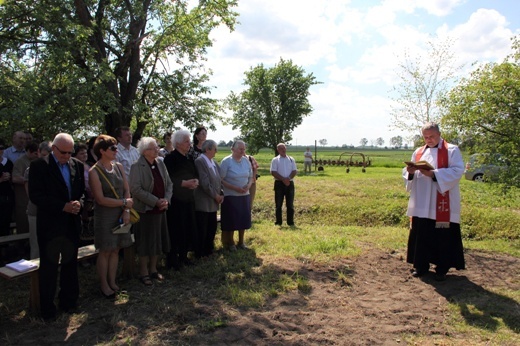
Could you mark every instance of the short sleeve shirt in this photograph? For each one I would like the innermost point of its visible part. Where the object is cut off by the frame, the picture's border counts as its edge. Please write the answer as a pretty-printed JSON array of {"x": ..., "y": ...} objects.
[{"x": 283, "y": 165}]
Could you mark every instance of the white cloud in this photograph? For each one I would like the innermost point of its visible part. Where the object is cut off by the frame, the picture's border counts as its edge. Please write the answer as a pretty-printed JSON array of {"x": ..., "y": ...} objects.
[
  {"x": 354, "y": 49},
  {"x": 439, "y": 7},
  {"x": 484, "y": 36}
]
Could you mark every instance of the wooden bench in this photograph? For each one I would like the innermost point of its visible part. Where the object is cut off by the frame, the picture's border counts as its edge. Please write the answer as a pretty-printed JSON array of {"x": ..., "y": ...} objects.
[
  {"x": 13, "y": 237},
  {"x": 84, "y": 253}
]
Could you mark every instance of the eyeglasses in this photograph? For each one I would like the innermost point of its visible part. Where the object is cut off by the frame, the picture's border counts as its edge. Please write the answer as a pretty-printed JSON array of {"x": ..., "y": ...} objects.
[
  {"x": 113, "y": 147},
  {"x": 153, "y": 148},
  {"x": 64, "y": 152}
]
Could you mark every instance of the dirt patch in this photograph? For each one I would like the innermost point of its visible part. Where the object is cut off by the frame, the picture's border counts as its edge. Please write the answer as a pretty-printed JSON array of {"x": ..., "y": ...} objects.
[
  {"x": 375, "y": 304},
  {"x": 372, "y": 300}
]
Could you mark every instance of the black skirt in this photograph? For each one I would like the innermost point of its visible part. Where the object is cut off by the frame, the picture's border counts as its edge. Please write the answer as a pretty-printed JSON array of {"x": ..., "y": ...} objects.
[{"x": 439, "y": 246}]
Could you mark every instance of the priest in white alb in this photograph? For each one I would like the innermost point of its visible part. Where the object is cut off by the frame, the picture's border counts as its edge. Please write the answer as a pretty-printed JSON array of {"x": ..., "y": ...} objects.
[{"x": 434, "y": 206}]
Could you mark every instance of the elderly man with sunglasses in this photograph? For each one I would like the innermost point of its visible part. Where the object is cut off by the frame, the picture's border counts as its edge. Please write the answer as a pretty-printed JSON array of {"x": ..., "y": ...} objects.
[{"x": 56, "y": 186}]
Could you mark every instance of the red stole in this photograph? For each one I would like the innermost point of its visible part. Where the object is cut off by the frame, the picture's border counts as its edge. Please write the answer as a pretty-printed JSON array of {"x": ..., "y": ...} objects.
[{"x": 443, "y": 199}]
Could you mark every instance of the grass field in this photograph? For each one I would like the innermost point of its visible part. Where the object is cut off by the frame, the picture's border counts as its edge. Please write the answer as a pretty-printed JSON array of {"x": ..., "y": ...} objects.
[
  {"x": 336, "y": 210},
  {"x": 377, "y": 198},
  {"x": 339, "y": 216}
]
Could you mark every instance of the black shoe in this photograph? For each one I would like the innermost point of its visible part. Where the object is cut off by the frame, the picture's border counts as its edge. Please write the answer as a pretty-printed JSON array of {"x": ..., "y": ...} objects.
[
  {"x": 174, "y": 263},
  {"x": 418, "y": 273},
  {"x": 69, "y": 309},
  {"x": 48, "y": 318},
  {"x": 277, "y": 223},
  {"x": 187, "y": 262},
  {"x": 49, "y": 314},
  {"x": 108, "y": 296}
]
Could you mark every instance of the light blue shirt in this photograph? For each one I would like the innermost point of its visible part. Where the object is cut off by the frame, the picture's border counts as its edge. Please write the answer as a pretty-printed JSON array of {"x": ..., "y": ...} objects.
[
  {"x": 126, "y": 157},
  {"x": 13, "y": 154},
  {"x": 65, "y": 172},
  {"x": 235, "y": 173}
]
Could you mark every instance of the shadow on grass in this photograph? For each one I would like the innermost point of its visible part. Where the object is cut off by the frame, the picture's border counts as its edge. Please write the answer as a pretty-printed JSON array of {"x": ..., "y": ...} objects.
[
  {"x": 201, "y": 304},
  {"x": 479, "y": 307}
]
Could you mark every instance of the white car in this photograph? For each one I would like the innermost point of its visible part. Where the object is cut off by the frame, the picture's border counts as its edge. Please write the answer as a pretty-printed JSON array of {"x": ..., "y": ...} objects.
[{"x": 482, "y": 167}]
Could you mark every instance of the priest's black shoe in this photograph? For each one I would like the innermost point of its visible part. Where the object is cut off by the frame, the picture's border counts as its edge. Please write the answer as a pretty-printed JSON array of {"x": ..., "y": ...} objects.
[
  {"x": 418, "y": 273},
  {"x": 48, "y": 318}
]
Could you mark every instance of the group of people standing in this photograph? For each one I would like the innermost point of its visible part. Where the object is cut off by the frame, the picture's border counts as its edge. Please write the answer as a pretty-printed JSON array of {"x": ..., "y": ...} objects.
[{"x": 176, "y": 190}]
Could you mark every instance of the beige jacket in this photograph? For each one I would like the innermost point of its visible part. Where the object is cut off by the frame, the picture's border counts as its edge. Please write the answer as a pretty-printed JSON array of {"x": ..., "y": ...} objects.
[
  {"x": 141, "y": 184},
  {"x": 210, "y": 185}
]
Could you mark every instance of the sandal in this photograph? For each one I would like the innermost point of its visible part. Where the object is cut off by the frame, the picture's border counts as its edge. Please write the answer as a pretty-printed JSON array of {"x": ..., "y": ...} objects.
[
  {"x": 145, "y": 280},
  {"x": 119, "y": 291},
  {"x": 157, "y": 276}
]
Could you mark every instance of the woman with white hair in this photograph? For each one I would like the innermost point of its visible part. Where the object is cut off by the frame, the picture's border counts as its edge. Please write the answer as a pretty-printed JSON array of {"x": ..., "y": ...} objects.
[
  {"x": 151, "y": 189},
  {"x": 181, "y": 217}
]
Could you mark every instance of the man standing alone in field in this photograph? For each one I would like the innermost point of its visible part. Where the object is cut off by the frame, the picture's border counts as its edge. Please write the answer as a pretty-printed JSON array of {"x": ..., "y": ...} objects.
[
  {"x": 307, "y": 160},
  {"x": 434, "y": 206},
  {"x": 283, "y": 169}
]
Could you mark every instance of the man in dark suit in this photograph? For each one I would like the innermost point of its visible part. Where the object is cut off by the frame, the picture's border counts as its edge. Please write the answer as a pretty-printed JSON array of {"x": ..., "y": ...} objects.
[{"x": 56, "y": 185}]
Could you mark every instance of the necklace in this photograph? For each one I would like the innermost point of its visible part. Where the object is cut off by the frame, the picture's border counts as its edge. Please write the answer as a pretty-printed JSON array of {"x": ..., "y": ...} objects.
[{"x": 108, "y": 170}]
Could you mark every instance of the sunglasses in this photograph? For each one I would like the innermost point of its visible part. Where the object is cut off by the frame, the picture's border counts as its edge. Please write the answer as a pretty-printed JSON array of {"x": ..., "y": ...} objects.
[
  {"x": 113, "y": 147},
  {"x": 64, "y": 152}
]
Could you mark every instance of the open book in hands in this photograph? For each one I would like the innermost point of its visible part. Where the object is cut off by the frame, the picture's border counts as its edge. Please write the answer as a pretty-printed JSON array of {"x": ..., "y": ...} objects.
[{"x": 420, "y": 165}]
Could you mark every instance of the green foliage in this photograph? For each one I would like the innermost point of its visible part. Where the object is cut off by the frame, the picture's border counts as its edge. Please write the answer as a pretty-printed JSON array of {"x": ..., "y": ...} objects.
[
  {"x": 272, "y": 106},
  {"x": 485, "y": 110},
  {"x": 91, "y": 66},
  {"x": 490, "y": 212}
]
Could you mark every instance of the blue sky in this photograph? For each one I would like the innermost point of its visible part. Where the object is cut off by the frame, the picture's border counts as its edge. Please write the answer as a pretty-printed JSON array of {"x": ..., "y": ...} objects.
[{"x": 353, "y": 48}]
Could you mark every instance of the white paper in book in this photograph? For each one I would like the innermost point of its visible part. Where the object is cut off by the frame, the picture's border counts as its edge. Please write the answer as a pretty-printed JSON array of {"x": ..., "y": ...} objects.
[
  {"x": 122, "y": 228},
  {"x": 22, "y": 265}
]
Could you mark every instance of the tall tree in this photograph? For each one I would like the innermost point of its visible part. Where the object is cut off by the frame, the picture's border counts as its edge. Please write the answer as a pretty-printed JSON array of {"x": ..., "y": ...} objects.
[
  {"x": 423, "y": 81},
  {"x": 102, "y": 64},
  {"x": 274, "y": 103},
  {"x": 363, "y": 142},
  {"x": 484, "y": 109},
  {"x": 323, "y": 142},
  {"x": 396, "y": 141},
  {"x": 380, "y": 141}
]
